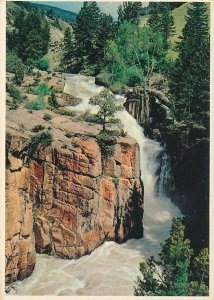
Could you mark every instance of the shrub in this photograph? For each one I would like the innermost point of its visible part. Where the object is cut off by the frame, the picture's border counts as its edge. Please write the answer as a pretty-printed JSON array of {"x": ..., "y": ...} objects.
[
  {"x": 12, "y": 62},
  {"x": 69, "y": 135},
  {"x": 43, "y": 64},
  {"x": 19, "y": 75},
  {"x": 15, "y": 95},
  {"x": 38, "y": 104},
  {"x": 64, "y": 112},
  {"x": 133, "y": 76},
  {"x": 115, "y": 180},
  {"x": 47, "y": 117},
  {"x": 64, "y": 146},
  {"x": 37, "y": 128},
  {"x": 41, "y": 90},
  {"x": 42, "y": 139},
  {"x": 106, "y": 141},
  {"x": 52, "y": 100}
]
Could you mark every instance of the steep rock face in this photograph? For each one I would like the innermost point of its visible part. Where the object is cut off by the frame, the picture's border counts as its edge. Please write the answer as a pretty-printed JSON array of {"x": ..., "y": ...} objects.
[
  {"x": 66, "y": 202},
  {"x": 81, "y": 201},
  {"x": 150, "y": 108},
  {"x": 20, "y": 253}
]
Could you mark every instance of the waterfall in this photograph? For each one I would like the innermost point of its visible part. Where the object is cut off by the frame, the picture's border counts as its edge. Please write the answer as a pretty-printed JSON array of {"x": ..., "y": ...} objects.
[{"x": 111, "y": 270}]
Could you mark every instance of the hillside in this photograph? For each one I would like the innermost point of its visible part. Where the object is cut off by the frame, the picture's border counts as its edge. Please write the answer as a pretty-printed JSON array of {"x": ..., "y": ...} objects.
[
  {"x": 179, "y": 15},
  {"x": 57, "y": 27},
  {"x": 65, "y": 15}
]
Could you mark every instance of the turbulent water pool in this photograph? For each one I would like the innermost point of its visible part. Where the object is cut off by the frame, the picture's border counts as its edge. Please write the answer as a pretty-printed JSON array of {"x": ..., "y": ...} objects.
[{"x": 112, "y": 269}]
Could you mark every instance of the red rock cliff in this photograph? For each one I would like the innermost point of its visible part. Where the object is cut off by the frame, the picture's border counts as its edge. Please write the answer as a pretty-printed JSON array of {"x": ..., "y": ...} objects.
[{"x": 69, "y": 201}]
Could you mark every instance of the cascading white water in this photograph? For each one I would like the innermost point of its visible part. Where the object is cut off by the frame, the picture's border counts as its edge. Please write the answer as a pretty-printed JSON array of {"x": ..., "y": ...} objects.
[{"x": 111, "y": 269}]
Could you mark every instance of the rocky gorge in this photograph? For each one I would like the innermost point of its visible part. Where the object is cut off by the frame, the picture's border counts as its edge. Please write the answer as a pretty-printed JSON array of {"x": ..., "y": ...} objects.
[{"x": 66, "y": 201}]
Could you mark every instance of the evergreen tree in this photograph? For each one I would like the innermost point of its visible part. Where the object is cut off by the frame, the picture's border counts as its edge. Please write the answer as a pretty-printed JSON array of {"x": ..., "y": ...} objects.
[
  {"x": 161, "y": 20},
  {"x": 68, "y": 50},
  {"x": 52, "y": 100},
  {"x": 85, "y": 30},
  {"x": 105, "y": 33},
  {"x": 190, "y": 79},
  {"x": 129, "y": 11},
  {"x": 172, "y": 275},
  {"x": 30, "y": 37}
]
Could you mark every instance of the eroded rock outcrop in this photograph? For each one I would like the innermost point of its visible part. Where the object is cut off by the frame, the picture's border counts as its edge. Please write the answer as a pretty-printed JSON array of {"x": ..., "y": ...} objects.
[
  {"x": 67, "y": 201},
  {"x": 20, "y": 253},
  {"x": 148, "y": 106}
]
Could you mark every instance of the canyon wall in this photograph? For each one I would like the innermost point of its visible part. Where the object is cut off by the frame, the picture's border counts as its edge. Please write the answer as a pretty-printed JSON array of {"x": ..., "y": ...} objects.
[{"x": 68, "y": 201}]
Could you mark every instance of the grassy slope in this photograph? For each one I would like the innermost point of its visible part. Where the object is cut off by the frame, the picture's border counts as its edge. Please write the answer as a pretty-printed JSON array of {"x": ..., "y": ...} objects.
[{"x": 179, "y": 18}]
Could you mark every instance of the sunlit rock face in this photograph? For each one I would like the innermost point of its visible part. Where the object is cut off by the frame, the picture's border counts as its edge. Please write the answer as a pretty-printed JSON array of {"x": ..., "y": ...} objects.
[
  {"x": 82, "y": 200},
  {"x": 67, "y": 202},
  {"x": 20, "y": 253}
]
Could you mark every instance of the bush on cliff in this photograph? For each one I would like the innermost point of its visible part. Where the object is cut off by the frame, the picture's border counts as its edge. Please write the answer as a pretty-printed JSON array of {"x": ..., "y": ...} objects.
[
  {"x": 106, "y": 141},
  {"x": 43, "y": 139}
]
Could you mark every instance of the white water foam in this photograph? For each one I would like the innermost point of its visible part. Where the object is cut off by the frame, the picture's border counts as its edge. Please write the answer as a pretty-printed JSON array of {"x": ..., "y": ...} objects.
[{"x": 111, "y": 270}]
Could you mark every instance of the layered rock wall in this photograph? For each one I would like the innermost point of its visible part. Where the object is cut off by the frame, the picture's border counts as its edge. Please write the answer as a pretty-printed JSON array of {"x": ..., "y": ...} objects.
[
  {"x": 66, "y": 202},
  {"x": 80, "y": 201},
  {"x": 20, "y": 252}
]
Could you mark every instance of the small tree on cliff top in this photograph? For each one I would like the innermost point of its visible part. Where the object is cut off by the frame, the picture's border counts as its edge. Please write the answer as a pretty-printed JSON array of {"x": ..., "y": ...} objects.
[{"x": 107, "y": 107}]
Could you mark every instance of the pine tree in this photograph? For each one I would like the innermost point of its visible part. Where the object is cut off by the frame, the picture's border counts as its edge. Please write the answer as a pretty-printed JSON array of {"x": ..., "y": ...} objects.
[
  {"x": 85, "y": 30},
  {"x": 162, "y": 21},
  {"x": 190, "y": 79},
  {"x": 31, "y": 36},
  {"x": 68, "y": 50},
  {"x": 173, "y": 275},
  {"x": 129, "y": 11}
]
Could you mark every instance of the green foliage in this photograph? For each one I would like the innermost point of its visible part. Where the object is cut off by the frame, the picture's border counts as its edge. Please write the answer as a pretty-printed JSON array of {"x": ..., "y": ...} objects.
[
  {"x": 37, "y": 128},
  {"x": 47, "y": 117},
  {"x": 41, "y": 90},
  {"x": 129, "y": 11},
  {"x": 171, "y": 275},
  {"x": 189, "y": 84},
  {"x": 15, "y": 95},
  {"x": 115, "y": 180},
  {"x": 69, "y": 135},
  {"x": 13, "y": 62},
  {"x": 134, "y": 55},
  {"x": 43, "y": 64},
  {"x": 68, "y": 51},
  {"x": 38, "y": 104},
  {"x": 30, "y": 37},
  {"x": 56, "y": 23},
  {"x": 44, "y": 139},
  {"x": 64, "y": 112},
  {"x": 19, "y": 74},
  {"x": 92, "y": 30},
  {"x": 52, "y": 100},
  {"x": 200, "y": 267},
  {"x": 107, "y": 106},
  {"x": 190, "y": 92},
  {"x": 106, "y": 141},
  {"x": 65, "y": 146},
  {"x": 162, "y": 21}
]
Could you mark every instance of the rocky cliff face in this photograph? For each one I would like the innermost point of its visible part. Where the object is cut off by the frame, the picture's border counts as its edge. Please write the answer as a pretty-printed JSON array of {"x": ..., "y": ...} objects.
[
  {"x": 66, "y": 202},
  {"x": 150, "y": 108},
  {"x": 20, "y": 253}
]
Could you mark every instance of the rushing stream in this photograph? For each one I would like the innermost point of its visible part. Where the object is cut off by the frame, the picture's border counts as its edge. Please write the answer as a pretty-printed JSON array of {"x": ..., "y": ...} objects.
[{"x": 111, "y": 270}]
